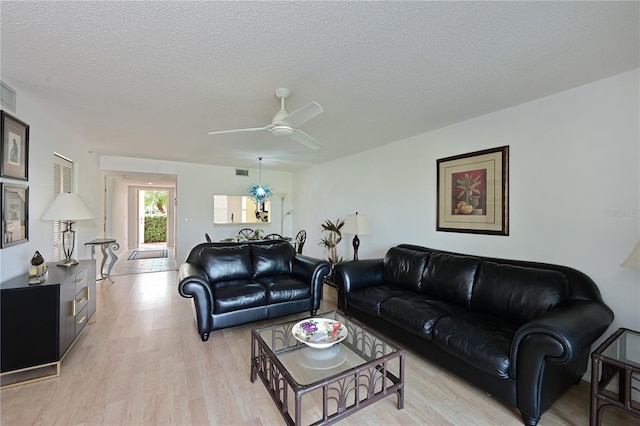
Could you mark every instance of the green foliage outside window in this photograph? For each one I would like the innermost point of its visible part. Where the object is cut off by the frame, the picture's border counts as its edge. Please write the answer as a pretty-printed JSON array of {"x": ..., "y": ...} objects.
[
  {"x": 155, "y": 228},
  {"x": 155, "y": 201}
]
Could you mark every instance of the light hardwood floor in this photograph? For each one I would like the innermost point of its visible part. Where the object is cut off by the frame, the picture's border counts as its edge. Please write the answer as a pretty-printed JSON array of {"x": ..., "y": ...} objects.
[
  {"x": 124, "y": 266},
  {"x": 142, "y": 363}
]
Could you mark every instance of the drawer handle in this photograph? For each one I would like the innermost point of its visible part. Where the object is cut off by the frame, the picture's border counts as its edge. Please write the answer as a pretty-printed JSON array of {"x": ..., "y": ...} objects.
[
  {"x": 88, "y": 293},
  {"x": 74, "y": 302},
  {"x": 81, "y": 320},
  {"x": 80, "y": 281}
]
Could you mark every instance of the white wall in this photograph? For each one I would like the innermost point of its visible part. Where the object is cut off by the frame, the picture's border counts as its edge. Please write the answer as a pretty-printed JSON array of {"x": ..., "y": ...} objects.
[
  {"x": 116, "y": 225},
  {"x": 52, "y": 129},
  {"x": 197, "y": 184},
  {"x": 574, "y": 188}
]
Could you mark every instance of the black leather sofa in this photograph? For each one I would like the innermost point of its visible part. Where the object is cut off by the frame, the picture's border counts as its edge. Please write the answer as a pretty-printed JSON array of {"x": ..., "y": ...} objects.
[
  {"x": 522, "y": 331},
  {"x": 237, "y": 283}
]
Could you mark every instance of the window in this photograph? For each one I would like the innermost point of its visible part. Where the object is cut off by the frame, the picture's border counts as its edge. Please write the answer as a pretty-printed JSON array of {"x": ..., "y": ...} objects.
[{"x": 62, "y": 182}]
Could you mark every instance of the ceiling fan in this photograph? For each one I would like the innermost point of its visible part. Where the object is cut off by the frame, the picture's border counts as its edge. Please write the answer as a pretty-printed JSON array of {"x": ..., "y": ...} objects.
[{"x": 285, "y": 124}]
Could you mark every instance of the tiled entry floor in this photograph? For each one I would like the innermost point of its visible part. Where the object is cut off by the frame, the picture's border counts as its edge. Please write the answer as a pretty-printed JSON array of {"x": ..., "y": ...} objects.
[{"x": 141, "y": 266}]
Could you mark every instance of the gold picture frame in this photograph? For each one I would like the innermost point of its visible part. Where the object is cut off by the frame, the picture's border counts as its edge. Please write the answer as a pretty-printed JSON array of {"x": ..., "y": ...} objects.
[
  {"x": 15, "y": 215},
  {"x": 473, "y": 192}
]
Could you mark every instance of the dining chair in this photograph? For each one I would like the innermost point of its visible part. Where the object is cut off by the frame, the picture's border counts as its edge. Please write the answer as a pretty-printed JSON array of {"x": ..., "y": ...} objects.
[
  {"x": 273, "y": 237},
  {"x": 245, "y": 234},
  {"x": 301, "y": 237}
]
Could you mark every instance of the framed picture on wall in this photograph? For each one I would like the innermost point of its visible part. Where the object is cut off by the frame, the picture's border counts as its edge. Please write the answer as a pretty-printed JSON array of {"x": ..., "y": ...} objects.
[
  {"x": 15, "y": 211},
  {"x": 14, "y": 152},
  {"x": 473, "y": 192}
]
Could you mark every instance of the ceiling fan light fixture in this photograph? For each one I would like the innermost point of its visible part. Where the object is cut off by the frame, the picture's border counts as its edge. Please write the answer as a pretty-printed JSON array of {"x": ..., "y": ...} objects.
[
  {"x": 285, "y": 124},
  {"x": 281, "y": 130}
]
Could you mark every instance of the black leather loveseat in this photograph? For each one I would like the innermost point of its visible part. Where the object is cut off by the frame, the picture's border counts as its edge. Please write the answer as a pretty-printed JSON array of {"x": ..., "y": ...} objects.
[
  {"x": 522, "y": 331},
  {"x": 237, "y": 283}
]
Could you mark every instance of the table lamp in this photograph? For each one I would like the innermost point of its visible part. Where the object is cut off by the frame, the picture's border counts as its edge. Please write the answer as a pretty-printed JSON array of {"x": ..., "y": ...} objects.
[
  {"x": 356, "y": 224},
  {"x": 633, "y": 261},
  {"x": 69, "y": 208}
]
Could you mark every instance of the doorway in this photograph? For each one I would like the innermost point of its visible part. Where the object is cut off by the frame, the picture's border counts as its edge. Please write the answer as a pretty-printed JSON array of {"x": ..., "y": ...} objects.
[
  {"x": 149, "y": 205},
  {"x": 125, "y": 218},
  {"x": 152, "y": 218}
]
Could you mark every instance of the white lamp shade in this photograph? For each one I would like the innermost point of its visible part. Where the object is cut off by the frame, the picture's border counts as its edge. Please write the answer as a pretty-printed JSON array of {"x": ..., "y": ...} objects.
[
  {"x": 633, "y": 261},
  {"x": 69, "y": 207},
  {"x": 356, "y": 224}
]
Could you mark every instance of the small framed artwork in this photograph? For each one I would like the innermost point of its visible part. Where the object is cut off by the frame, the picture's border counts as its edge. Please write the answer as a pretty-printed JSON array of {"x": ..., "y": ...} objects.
[
  {"x": 15, "y": 211},
  {"x": 473, "y": 192},
  {"x": 14, "y": 152}
]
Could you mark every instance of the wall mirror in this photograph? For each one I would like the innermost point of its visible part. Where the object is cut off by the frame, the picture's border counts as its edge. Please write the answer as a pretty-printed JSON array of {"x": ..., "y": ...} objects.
[{"x": 229, "y": 209}]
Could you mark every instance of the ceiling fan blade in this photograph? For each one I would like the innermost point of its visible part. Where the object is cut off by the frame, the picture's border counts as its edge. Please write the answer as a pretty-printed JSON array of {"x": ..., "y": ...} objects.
[
  {"x": 251, "y": 129},
  {"x": 305, "y": 139},
  {"x": 300, "y": 116}
]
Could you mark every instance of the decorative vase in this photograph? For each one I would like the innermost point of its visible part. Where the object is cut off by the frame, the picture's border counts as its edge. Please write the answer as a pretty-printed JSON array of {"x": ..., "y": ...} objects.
[
  {"x": 475, "y": 201},
  {"x": 466, "y": 209}
]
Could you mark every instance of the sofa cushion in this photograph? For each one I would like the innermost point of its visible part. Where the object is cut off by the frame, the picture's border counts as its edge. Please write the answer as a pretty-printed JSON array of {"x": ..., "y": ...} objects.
[
  {"x": 403, "y": 268},
  {"x": 224, "y": 263},
  {"x": 517, "y": 293},
  {"x": 272, "y": 259},
  {"x": 229, "y": 296},
  {"x": 368, "y": 299},
  {"x": 482, "y": 340},
  {"x": 417, "y": 314},
  {"x": 450, "y": 277},
  {"x": 283, "y": 288}
]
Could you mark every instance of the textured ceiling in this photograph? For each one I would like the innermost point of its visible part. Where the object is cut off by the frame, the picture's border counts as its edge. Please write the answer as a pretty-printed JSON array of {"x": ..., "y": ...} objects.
[{"x": 150, "y": 79}]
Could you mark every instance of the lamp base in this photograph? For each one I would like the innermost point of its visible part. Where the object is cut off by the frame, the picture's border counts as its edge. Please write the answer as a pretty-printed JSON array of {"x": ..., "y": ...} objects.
[
  {"x": 67, "y": 262},
  {"x": 356, "y": 244},
  {"x": 68, "y": 244}
]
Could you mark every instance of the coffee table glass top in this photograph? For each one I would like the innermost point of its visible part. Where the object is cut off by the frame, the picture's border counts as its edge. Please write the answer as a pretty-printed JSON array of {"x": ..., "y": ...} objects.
[
  {"x": 625, "y": 349},
  {"x": 308, "y": 365}
]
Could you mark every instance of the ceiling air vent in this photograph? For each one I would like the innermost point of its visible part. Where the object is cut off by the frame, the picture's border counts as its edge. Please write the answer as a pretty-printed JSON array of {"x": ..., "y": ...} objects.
[
  {"x": 7, "y": 97},
  {"x": 242, "y": 172}
]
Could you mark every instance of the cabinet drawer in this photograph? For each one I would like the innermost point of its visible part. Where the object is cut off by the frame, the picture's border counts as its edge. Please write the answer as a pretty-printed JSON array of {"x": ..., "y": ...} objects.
[
  {"x": 81, "y": 319},
  {"x": 81, "y": 281},
  {"x": 79, "y": 302}
]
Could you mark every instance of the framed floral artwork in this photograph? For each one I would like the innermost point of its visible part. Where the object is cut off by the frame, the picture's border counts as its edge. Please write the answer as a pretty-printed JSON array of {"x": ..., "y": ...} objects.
[
  {"x": 14, "y": 147},
  {"x": 473, "y": 192}
]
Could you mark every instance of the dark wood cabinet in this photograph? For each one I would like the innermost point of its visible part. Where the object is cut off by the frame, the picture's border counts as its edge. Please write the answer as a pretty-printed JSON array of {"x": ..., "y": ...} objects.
[
  {"x": 39, "y": 323},
  {"x": 27, "y": 341}
]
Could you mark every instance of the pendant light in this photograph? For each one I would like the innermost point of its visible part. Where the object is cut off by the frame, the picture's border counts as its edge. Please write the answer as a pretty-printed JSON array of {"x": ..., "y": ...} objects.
[{"x": 260, "y": 193}]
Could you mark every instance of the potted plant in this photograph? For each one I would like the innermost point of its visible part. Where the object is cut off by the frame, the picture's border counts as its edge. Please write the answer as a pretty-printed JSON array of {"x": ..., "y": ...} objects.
[{"x": 331, "y": 239}]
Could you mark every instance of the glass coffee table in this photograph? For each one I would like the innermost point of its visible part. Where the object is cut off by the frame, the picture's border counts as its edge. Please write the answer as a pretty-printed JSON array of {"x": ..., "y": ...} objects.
[{"x": 319, "y": 386}]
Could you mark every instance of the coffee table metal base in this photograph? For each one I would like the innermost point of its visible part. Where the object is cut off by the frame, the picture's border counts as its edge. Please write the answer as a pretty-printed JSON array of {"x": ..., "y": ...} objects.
[{"x": 342, "y": 394}]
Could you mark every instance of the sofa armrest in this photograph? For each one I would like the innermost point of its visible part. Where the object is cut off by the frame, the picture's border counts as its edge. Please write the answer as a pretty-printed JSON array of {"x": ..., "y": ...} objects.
[
  {"x": 358, "y": 274},
  {"x": 189, "y": 272},
  {"x": 571, "y": 329},
  {"x": 354, "y": 275},
  {"x": 193, "y": 282},
  {"x": 562, "y": 336},
  {"x": 311, "y": 270}
]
